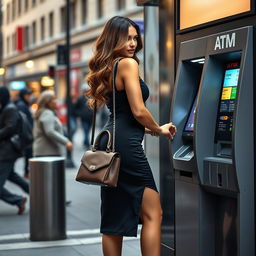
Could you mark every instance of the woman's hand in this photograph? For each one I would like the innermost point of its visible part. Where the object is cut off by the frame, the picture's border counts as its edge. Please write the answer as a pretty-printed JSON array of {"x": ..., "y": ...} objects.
[
  {"x": 169, "y": 130},
  {"x": 69, "y": 146}
]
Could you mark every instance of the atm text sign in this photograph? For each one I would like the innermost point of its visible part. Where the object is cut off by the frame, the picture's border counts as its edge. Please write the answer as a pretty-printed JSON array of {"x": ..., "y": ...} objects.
[{"x": 225, "y": 41}]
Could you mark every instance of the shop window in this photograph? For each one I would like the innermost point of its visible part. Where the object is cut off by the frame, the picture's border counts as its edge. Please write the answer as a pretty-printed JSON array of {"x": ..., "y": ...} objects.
[
  {"x": 51, "y": 24},
  {"x": 84, "y": 11}
]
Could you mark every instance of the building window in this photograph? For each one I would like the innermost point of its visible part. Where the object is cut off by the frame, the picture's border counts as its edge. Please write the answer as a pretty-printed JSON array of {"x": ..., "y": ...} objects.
[
  {"x": 19, "y": 7},
  {"x": 13, "y": 9},
  {"x": 84, "y": 11},
  {"x": 34, "y": 32},
  {"x": 73, "y": 15},
  {"x": 63, "y": 19},
  {"x": 26, "y": 5},
  {"x": 7, "y": 45},
  {"x": 42, "y": 28},
  {"x": 26, "y": 37},
  {"x": 100, "y": 9},
  {"x": 120, "y": 4},
  {"x": 8, "y": 13},
  {"x": 14, "y": 42},
  {"x": 51, "y": 24},
  {"x": 33, "y": 3}
]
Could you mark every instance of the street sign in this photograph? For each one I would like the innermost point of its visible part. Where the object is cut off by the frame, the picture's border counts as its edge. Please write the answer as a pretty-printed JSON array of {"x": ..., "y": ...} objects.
[
  {"x": 61, "y": 55},
  {"x": 140, "y": 23}
]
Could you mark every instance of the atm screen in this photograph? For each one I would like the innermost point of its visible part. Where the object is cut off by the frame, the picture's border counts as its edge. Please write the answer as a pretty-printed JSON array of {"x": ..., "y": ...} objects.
[
  {"x": 189, "y": 127},
  {"x": 227, "y": 102}
]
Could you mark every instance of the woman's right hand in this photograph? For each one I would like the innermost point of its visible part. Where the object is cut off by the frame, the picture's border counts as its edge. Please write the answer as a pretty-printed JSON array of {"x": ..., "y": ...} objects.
[
  {"x": 169, "y": 130},
  {"x": 69, "y": 146}
]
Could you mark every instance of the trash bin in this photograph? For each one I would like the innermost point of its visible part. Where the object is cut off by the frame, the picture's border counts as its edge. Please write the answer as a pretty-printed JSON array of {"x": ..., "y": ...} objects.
[{"x": 47, "y": 198}]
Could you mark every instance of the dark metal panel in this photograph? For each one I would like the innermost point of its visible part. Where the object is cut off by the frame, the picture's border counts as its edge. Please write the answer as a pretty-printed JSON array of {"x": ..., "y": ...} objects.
[
  {"x": 225, "y": 26},
  {"x": 167, "y": 77}
]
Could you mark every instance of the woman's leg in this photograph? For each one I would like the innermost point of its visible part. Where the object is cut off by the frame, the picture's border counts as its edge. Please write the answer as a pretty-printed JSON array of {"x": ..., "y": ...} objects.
[
  {"x": 112, "y": 245},
  {"x": 151, "y": 215}
]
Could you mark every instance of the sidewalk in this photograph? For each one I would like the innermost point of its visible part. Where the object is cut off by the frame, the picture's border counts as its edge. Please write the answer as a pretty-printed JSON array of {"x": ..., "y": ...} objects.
[{"x": 83, "y": 220}]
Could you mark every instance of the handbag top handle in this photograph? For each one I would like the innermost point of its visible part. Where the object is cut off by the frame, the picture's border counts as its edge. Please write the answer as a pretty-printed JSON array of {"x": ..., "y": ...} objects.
[{"x": 114, "y": 109}]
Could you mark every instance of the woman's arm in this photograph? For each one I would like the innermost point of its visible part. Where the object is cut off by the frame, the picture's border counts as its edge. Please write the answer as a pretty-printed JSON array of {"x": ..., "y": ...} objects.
[{"x": 128, "y": 70}]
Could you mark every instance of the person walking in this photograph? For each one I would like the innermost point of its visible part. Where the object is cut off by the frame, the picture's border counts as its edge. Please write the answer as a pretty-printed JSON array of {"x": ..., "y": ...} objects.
[
  {"x": 9, "y": 126},
  {"x": 136, "y": 196},
  {"x": 85, "y": 115},
  {"x": 49, "y": 139},
  {"x": 23, "y": 104}
]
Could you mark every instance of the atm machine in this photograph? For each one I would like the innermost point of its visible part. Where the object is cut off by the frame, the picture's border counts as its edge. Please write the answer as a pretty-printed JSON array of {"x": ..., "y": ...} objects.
[{"x": 213, "y": 150}]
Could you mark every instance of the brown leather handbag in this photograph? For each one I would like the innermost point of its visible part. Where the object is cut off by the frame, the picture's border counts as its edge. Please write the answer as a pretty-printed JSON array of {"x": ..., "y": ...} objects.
[{"x": 101, "y": 167}]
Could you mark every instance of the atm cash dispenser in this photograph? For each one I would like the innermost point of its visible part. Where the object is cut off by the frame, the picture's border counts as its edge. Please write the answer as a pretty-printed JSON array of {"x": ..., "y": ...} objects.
[{"x": 213, "y": 150}]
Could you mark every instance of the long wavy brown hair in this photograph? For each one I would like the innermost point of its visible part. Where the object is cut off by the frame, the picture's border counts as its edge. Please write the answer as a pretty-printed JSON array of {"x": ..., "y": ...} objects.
[{"x": 108, "y": 48}]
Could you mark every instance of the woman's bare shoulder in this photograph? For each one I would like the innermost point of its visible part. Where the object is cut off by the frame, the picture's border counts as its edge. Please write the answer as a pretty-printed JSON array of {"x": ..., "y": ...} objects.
[{"x": 128, "y": 63}]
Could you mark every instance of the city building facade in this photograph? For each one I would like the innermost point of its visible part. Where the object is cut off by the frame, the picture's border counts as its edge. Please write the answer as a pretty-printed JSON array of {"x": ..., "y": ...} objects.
[{"x": 33, "y": 30}]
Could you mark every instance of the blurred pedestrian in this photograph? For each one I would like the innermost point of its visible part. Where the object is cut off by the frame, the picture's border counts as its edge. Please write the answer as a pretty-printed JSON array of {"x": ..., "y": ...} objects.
[
  {"x": 23, "y": 104},
  {"x": 85, "y": 114},
  {"x": 136, "y": 197},
  {"x": 49, "y": 139},
  {"x": 9, "y": 126}
]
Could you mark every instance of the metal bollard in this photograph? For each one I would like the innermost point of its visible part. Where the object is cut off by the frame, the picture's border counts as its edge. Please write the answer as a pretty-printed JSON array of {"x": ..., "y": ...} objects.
[{"x": 47, "y": 198}]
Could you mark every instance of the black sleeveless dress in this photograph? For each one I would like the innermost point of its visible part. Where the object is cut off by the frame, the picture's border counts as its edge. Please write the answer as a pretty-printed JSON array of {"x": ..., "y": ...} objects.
[{"x": 120, "y": 208}]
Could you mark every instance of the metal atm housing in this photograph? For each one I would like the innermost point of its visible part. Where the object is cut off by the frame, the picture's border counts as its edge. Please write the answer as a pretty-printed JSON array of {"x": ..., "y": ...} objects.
[{"x": 213, "y": 157}]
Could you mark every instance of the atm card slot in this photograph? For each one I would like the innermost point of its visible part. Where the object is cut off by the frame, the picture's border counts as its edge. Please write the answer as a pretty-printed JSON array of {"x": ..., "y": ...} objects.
[{"x": 184, "y": 153}]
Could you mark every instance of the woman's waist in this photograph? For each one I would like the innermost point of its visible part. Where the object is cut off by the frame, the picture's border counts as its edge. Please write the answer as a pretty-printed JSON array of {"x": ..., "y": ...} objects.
[{"x": 125, "y": 124}]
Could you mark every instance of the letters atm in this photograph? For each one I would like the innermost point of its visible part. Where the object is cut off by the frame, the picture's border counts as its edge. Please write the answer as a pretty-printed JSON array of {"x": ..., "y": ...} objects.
[{"x": 213, "y": 150}]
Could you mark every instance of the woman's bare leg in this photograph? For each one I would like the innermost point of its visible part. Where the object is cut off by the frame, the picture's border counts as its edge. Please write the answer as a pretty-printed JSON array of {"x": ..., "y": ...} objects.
[
  {"x": 112, "y": 245},
  {"x": 151, "y": 215}
]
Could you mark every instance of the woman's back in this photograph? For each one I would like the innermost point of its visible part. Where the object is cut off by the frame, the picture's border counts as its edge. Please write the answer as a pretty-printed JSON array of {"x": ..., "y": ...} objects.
[{"x": 48, "y": 135}]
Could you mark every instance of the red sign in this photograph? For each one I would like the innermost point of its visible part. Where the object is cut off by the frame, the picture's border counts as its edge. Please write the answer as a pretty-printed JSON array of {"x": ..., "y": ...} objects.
[
  {"x": 75, "y": 55},
  {"x": 19, "y": 39}
]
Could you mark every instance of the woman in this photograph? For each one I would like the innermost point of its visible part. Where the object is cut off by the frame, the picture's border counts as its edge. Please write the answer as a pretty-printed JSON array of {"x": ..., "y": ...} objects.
[
  {"x": 48, "y": 132},
  {"x": 136, "y": 197}
]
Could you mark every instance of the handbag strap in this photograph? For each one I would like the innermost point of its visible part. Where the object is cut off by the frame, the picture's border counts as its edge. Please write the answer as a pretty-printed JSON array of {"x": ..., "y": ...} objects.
[{"x": 114, "y": 108}]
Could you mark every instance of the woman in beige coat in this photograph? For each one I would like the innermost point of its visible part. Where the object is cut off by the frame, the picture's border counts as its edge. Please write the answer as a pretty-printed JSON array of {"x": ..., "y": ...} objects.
[{"x": 49, "y": 139}]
